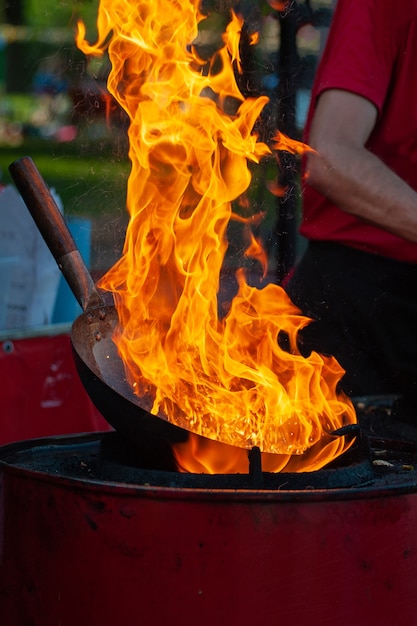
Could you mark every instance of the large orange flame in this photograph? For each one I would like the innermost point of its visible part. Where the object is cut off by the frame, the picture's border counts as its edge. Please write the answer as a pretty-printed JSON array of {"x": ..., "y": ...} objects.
[{"x": 226, "y": 379}]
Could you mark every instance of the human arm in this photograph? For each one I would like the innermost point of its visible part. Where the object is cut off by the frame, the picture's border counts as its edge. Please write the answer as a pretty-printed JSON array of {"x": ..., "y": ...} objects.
[{"x": 345, "y": 171}]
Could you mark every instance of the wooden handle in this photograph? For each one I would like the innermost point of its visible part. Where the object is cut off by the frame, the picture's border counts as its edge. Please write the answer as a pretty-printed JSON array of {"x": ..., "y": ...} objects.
[{"x": 51, "y": 224}]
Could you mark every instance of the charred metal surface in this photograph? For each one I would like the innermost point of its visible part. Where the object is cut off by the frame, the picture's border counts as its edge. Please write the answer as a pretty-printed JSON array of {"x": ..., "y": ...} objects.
[
  {"x": 125, "y": 462},
  {"x": 105, "y": 458}
]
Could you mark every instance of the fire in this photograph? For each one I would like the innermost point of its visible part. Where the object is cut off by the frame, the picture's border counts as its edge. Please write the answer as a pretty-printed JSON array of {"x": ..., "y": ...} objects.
[
  {"x": 239, "y": 381},
  {"x": 279, "y": 5}
]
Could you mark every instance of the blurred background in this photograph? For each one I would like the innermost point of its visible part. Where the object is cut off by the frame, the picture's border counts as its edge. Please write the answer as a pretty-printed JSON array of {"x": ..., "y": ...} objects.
[{"x": 53, "y": 104}]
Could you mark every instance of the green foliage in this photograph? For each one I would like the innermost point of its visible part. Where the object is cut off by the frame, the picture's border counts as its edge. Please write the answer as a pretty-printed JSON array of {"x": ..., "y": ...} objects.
[
  {"x": 53, "y": 14},
  {"x": 89, "y": 177}
]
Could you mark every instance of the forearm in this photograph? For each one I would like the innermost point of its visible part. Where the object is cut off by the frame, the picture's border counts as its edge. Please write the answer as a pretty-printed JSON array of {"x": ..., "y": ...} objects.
[{"x": 362, "y": 185}]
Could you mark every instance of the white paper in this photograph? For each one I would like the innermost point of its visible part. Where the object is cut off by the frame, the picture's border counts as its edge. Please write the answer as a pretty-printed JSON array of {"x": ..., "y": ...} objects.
[{"x": 28, "y": 271}]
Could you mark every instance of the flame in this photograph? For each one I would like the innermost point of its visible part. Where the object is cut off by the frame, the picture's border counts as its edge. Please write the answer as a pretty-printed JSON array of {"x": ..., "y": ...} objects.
[
  {"x": 282, "y": 142},
  {"x": 279, "y": 5},
  {"x": 239, "y": 381}
]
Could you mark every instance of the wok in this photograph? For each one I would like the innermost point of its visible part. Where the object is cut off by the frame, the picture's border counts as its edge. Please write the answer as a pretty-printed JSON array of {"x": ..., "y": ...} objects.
[{"x": 98, "y": 364}]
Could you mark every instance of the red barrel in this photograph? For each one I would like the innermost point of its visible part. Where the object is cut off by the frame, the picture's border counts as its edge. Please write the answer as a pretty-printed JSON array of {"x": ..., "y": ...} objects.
[{"x": 82, "y": 553}]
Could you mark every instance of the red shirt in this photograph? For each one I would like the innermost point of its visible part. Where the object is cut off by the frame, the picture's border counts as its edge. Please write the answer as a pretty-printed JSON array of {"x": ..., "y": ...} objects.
[{"x": 371, "y": 51}]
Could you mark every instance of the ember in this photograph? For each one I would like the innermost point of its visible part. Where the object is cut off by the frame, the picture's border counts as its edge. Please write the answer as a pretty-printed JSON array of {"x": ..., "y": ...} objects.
[{"x": 226, "y": 379}]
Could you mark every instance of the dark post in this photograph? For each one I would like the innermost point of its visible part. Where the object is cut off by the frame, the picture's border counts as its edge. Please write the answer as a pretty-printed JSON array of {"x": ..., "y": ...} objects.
[
  {"x": 286, "y": 224},
  {"x": 14, "y": 11}
]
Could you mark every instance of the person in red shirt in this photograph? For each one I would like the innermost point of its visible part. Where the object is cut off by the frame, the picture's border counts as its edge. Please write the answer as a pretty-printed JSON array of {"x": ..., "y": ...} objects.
[{"x": 358, "y": 277}]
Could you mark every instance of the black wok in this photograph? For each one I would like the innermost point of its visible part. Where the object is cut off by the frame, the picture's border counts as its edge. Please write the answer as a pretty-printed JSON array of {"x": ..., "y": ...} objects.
[{"x": 97, "y": 361}]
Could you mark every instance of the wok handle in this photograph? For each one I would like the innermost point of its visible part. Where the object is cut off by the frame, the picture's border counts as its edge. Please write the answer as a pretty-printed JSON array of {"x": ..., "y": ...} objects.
[{"x": 51, "y": 224}]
